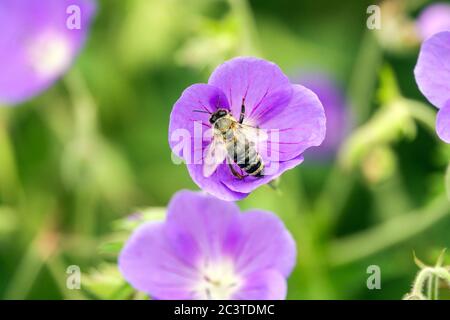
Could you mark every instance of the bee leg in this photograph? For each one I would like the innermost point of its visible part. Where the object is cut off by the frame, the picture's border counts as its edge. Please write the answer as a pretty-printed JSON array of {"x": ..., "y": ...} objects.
[
  {"x": 242, "y": 116},
  {"x": 234, "y": 172}
]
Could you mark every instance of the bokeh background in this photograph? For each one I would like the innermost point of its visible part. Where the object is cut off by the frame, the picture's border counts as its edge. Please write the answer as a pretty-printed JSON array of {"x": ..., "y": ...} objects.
[{"x": 80, "y": 158}]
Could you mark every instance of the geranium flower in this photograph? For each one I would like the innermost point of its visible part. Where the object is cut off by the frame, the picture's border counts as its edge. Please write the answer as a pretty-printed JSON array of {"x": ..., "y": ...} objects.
[
  {"x": 433, "y": 78},
  {"x": 336, "y": 111},
  {"x": 280, "y": 121},
  {"x": 207, "y": 249},
  {"x": 38, "y": 42},
  {"x": 433, "y": 19}
]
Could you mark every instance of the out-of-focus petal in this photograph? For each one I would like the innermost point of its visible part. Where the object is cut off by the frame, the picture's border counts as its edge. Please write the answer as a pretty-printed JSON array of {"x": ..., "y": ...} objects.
[
  {"x": 263, "y": 285},
  {"x": 202, "y": 220},
  {"x": 433, "y": 69},
  {"x": 265, "y": 243},
  {"x": 36, "y": 46},
  {"x": 433, "y": 19},
  {"x": 443, "y": 123},
  {"x": 150, "y": 264}
]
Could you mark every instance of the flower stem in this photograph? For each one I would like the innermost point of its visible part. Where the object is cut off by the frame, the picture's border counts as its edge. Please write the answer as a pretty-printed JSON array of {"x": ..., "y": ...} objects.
[
  {"x": 396, "y": 230},
  {"x": 10, "y": 186},
  {"x": 242, "y": 10},
  {"x": 364, "y": 77}
]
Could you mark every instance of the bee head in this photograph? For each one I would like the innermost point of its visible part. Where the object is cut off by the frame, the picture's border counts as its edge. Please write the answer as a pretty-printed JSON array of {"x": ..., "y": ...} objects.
[{"x": 220, "y": 113}]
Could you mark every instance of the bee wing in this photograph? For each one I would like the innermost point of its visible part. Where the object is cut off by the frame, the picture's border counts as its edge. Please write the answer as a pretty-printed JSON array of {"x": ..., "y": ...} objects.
[
  {"x": 216, "y": 153},
  {"x": 253, "y": 134}
]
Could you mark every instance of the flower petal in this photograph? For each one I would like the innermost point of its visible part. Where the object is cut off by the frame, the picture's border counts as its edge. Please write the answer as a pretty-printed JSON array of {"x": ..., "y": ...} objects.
[
  {"x": 213, "y": 184},
  {"x": 249, "y": 183},
  {"x": 434, "y": 19},
  {"x": 261, "y": 82},
  {"x": 443, "y": 123},
  {"x": 297, "y": 127},
  {"x": 433, "y": 69},
  {"x": 36, "y": 46},
  {"x": 265, "y": 244},
  {"x": 187, "y": 127},
  {"x": 150, "y": 264},
  {"x": 202, "y": 220},
  {"x": 263, "y": 285}
]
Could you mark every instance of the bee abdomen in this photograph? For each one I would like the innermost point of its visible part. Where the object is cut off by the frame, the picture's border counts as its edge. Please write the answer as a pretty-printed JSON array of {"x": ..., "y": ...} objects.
[{"x": 254, "y": 168}]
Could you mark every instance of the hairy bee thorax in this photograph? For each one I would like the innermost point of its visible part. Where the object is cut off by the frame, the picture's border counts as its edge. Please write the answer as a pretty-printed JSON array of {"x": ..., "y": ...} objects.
[{"x": 239, "y": 148}]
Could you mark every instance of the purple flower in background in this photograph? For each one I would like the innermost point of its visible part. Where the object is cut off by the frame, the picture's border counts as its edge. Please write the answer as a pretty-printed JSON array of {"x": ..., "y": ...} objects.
[
  {"x": 244, "y": 128},
  {"x": 433, "y": 19},
  {"x": 336, "y": 112},
  {"x": 206, "y": 249},
  {"x": 433, "y": 78},
  {"x": 38, "y": 42}
]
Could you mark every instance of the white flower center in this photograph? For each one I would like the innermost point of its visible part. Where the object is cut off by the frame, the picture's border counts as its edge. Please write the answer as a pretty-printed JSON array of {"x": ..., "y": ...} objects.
[
  {"x": 49, "y": 54},
  {"x": 218, "y": 281}
]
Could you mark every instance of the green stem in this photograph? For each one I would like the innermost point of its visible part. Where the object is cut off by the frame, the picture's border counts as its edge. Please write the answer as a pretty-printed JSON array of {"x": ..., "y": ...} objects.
[
  {"x": 364, "y": 77},
  {"x": 10, "y": 186},
  {"x": 394, "y": 231},
  {"x": 422, "y": 113},
  {"x": 242, "y": 11},
  {"x": 85, "y": 133}
]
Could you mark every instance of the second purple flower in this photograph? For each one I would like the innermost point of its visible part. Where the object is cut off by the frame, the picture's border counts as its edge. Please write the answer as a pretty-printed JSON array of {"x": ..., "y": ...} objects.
[{"x": 245, "y": 127}]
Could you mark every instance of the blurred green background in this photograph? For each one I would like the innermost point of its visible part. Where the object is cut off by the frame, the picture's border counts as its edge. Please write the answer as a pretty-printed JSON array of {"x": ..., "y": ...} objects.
[{"x": 93, "y": 149}]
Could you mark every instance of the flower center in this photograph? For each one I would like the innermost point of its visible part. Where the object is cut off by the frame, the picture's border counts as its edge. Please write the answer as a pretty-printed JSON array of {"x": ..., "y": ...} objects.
[
  {"x": 218, "y": 281},
  {"x": 49, "y": 54}
]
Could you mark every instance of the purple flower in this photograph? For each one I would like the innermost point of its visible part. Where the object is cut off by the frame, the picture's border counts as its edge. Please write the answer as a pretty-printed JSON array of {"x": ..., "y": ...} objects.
[
  {"x": 433, "y": 19},
  {"x": 336, "y": 112},
  {"x": 433, "y": 78},
  {"x": 250, "y": 145},
  {"x": 38, "y": 43},
  {"x": 206, "y": 249}
]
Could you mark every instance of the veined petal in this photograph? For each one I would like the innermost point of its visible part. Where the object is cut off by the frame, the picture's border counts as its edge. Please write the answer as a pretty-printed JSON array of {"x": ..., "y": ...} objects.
[
  {"x": 433, "y": 69},
  {"x": 297, "y": 127},
  {"x": 260, "y": 82},
  {"x": 189, "y": 120}
]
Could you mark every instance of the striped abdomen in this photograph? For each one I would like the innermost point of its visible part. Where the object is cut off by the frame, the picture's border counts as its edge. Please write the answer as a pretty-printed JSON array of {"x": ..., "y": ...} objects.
[{"x": 244, "y": 154}]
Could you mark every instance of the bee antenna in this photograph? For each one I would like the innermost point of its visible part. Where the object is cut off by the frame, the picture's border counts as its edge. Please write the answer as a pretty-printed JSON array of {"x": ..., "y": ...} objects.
[{"x": 201, "y": 111}]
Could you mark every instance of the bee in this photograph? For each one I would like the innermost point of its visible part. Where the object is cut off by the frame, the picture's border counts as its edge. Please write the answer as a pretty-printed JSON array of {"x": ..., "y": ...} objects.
[{"x": 234, "y": 142}]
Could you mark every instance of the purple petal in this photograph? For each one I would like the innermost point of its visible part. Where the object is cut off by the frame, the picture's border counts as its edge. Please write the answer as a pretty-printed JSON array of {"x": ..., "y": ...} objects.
[
  {"x": 337, "y": 113},
  {"x": 249, "y": 183},
  {"x": 262, "y": 83},
  {"x": 443, "y": 123},
  {"x": 433, "y": 69},
  {"x": 213, "y": 184},
  {"x": 185, "y": 119},
  {"x": 433, "y": 19},
  {"x": 36, "y": 46},
  {"x": 263, "y": 285},
  {"x": 150, "y": 264},
  {"x": 265, "y": 243},
  {"x": 300, "y": 125},
  {"x": 201, "y": 220}
]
